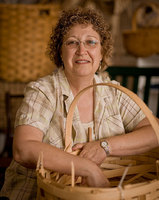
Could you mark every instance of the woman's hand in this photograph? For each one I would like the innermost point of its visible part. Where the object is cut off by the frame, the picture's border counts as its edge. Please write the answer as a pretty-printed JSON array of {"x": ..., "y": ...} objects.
[
  {"x": 91, "y": 150},
  {"x": 96, "y": 179}
]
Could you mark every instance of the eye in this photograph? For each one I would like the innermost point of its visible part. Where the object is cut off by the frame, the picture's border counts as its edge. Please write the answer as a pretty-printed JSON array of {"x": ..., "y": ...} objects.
[
  {"x": 91, "y": 42},
  {"x": 72, "y": 43}
]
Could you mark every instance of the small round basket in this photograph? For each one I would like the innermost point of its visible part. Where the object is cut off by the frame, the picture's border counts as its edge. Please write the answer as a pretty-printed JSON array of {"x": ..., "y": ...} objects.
[
  {"x": 24, "y": 35},
  {"x": 141, "y": 42},
  {"x": 131, "y": 177}
]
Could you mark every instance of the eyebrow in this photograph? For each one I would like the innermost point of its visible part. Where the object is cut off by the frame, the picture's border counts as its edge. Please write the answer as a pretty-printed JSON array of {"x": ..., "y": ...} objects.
[
  {"x": 73, "y": 36},
  {"x": 92, "y": 36}
]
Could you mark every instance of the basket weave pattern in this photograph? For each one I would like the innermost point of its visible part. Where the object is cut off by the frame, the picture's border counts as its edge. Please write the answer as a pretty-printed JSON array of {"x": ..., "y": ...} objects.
[{"x": 24, "y": 34}]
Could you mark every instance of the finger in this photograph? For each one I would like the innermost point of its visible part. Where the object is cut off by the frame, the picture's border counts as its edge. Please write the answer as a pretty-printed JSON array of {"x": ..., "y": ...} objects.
[
  {"x": 77, "y": 146},
  {"x": 86, "y": 154},
  {"x": 94, "y": 158}
]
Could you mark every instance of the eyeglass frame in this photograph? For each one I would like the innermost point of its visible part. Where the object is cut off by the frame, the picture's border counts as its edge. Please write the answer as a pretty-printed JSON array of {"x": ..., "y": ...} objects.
[{"x": 84, "y": 43}]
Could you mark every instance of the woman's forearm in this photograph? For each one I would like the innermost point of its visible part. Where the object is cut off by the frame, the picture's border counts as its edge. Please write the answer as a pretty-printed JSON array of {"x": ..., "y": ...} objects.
[
  {"x": 54, "y": 159},
  {"x": 26, "y": 151},
  {"x": 60, "y": 161},
  {"x": 140, "y": 140},
  {"x": 136, "y": 142}
]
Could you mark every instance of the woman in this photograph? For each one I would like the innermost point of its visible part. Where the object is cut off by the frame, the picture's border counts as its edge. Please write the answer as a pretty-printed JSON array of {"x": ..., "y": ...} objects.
[{"x": 80, "y": 47}]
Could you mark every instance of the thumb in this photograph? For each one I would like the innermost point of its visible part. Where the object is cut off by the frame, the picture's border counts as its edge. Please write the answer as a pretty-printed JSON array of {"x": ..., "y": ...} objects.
[{"x": 77, "y": 146}]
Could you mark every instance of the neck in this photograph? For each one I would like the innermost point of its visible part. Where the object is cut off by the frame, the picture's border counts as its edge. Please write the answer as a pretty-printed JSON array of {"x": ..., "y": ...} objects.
[{"x": 79, "y": 83}]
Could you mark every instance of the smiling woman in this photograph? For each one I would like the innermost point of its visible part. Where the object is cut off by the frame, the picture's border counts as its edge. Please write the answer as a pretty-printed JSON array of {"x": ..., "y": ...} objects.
[
  {"x": 85, "y": 17},
  {"x": 80, "y": 46}
]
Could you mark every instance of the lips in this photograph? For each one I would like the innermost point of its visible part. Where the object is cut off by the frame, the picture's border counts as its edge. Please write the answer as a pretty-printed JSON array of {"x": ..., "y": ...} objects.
[{"x": 82, "y": 61}]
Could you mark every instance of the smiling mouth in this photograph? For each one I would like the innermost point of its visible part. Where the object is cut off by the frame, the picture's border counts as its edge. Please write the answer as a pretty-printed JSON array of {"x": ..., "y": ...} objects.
[{"x": 81, "y": 61}]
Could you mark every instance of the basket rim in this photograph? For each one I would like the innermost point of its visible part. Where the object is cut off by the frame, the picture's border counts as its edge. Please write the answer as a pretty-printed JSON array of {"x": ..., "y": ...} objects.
[
  {"x": 113, "y": 193},
  {"x": 134, "y": 17}
]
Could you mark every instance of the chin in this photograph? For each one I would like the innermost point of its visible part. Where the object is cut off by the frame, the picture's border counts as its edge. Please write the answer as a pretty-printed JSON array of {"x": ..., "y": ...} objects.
[{"x": 84, "y": 72}]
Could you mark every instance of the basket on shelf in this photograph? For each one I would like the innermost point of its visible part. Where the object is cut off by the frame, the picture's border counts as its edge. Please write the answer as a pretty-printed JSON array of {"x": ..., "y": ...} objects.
[
  {"x": 141, "y": 42},
  {"x": 24, "y": 35},
  {"x": 141, "y": 172}
]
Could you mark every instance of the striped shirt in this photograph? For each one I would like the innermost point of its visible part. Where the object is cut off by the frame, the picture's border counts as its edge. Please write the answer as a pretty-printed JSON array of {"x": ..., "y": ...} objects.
[{"x": 45, "y": 106}]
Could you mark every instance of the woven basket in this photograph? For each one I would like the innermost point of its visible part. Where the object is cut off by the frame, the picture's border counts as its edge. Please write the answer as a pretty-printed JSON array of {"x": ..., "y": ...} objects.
[
  {"x": 140, "y": 181},
  {"x": 24, "y": 34},
  {"x": 141, "y": 42}
]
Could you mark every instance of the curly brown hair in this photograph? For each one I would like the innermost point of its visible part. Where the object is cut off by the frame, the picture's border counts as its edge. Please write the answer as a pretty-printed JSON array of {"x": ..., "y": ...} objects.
[{"x": 75, "y": 16}]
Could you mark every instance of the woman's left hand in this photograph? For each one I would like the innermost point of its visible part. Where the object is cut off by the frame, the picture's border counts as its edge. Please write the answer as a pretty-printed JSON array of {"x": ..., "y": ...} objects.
[{"x": 91, "y": 150}]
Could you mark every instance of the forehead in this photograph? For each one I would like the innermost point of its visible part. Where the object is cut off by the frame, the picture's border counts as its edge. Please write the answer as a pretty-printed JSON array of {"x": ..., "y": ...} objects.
[{"x": 82, "y": 30}]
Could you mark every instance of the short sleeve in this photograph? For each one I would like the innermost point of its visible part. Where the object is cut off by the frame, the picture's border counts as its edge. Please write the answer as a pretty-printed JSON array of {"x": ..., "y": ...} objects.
[
  {"x": 131, "y": 113},
  {"x": 36, "y": 109}
]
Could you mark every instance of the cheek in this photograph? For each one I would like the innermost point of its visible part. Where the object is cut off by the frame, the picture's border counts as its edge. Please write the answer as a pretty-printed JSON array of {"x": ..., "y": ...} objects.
[
  {"x": 65, "y": 55},
  {"x": 97, "y": 56},
  {"x": 67, "y": 52},
  {"x": 100, "y": 56}
]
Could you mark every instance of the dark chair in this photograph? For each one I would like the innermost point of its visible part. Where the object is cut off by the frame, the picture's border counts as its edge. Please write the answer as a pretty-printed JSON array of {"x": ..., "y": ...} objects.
[
  {"x": 124, "y": 73},
  {"x": 12, "y": 103}
]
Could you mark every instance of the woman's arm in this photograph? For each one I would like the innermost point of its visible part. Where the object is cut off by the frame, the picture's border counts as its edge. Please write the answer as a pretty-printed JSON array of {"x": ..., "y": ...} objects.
[
  {"x": 140, "y": 140},
  {"x": 28, "y": 144}
]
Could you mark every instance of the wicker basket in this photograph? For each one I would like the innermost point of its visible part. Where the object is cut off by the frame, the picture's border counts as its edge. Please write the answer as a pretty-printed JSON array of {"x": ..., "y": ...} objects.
[
  {"x": 24, "y": 34},
  {"x": 140, "y": 181},
  {"x": 141, "y": 42}
]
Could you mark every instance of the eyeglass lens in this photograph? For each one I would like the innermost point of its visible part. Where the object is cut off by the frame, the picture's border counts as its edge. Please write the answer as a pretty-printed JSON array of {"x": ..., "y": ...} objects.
[{"x": 76, "y": 43}]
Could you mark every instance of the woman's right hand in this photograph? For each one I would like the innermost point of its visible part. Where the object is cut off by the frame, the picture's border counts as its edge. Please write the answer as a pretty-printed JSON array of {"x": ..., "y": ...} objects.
[{"x": 96, "y": 178}]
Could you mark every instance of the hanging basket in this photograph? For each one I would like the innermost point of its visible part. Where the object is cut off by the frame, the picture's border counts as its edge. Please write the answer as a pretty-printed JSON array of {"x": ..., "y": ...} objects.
[
  {"x": 141, "y": 42},
  {"x": 141, "y": 177},
  {"x": 24, "y": 35}
]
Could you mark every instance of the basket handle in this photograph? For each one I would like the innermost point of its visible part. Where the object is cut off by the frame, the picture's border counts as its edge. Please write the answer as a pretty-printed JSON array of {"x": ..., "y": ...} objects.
[
  {"x": 151, "y": 4},
  {"x": 139, "y": 102}
]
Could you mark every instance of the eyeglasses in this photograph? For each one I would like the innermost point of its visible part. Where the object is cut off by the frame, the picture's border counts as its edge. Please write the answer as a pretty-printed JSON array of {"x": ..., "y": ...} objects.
[{"x": 74, "y": 44}]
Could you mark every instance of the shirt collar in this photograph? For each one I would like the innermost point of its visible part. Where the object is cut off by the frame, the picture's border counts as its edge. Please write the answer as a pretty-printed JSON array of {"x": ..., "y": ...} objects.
[
  {"x": 65, "y": 88},
  {"x": 101, "y": 91}
]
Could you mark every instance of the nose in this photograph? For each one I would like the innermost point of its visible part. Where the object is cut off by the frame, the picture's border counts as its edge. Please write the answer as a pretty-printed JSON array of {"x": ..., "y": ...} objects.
[{"x": 81, "y": 49}]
